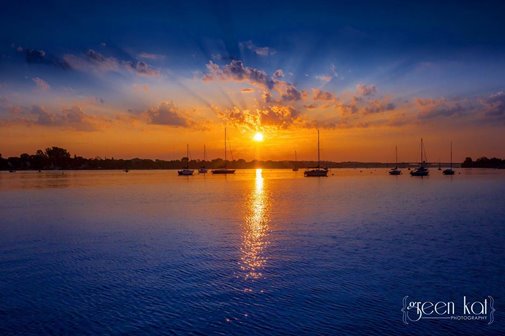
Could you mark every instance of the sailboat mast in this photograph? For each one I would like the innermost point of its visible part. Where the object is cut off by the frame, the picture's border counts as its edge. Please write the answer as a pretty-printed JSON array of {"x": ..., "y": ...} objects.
[
  {"x": 187, "y": 156},
  {"x": 225, "y": 147},
  {"x": 396, "y": 152},
  {"x": 318, "y": 152},
  {"x": 451, "y": 154},
  {"x": 204, "y": 156},
  {"x": 421, "y": 150}
]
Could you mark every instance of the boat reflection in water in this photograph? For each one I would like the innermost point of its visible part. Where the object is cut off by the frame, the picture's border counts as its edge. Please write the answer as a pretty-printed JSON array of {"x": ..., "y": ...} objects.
[{"x": 255, "y": 230}]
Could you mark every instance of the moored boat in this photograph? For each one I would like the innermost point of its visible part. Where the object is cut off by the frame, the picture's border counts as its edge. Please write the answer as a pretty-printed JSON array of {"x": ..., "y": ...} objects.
[
  {"x": 317, "y": 171},
  {"x": 395, "y": 170},
  {"x": 186, "y": 171},
  {"x": 203, "y": 169},
  {"x": 224, "y": 170},
  {"x": 421, "y": 170},
  {"x": 449, "y": 171}
]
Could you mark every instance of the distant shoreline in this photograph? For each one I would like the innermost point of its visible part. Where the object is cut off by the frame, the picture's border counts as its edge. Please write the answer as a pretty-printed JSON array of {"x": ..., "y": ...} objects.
[{"x": 55, "y": 158}]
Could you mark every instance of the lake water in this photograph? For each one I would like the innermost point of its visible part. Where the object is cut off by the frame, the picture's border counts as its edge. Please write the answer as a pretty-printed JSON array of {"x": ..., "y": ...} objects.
[{"x": 258, "y": 252}]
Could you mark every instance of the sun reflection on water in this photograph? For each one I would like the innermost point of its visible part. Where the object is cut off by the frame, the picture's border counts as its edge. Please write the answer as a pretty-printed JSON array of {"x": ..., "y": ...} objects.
[{"x": 255, "y": 230}]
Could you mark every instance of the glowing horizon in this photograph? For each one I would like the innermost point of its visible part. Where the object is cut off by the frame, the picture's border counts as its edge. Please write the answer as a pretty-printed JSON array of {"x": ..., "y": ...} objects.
[{"x": 138, "y": 93}]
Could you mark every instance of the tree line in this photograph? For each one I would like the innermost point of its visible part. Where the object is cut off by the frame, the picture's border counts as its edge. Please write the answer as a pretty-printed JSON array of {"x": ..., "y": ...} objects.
[
  {"x": 54, "y": 158},
  {"x": 483, "y": 162}
]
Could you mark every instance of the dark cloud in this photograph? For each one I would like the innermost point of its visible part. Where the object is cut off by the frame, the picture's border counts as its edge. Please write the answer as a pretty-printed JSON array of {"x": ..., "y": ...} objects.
[
  {"x": 142, "y": 68},
  {"x": 95, "y": 56},
  {"x": 34, "y": 56},
  {"x": 291, "y": 94},
  {"x": 166, "y": 114},
  {"x": 73, "y": 118},
  {"x": 97, "y": 61},
  {"x": 441, "y": 107},
  {"x": 236, "y": 70},
  {"x": 274, "y": 90},
  {"x": 378, "y": 106}
]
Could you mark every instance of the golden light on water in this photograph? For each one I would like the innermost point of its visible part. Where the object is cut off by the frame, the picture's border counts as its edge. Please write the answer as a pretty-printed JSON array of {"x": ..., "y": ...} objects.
[{"x": 255, "y": 229}]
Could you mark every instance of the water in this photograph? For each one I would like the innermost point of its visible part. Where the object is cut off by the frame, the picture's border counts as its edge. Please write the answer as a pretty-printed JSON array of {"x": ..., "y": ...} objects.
[{"x": 259, "y": 252}]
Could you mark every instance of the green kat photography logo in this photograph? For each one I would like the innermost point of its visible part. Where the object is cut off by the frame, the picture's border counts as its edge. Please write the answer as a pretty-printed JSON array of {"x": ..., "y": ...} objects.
[{"x": 466, "y": 309}]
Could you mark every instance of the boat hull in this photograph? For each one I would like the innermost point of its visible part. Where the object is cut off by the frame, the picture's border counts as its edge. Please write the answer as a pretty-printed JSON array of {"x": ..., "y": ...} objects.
[
  {"x": 185, "y": 172},
  {"x": 223, "y": 171},
  {"x": 419, "y": 173},
  {"x": 395, "y": 172},
  {"x": 202, "y": 171},
  {"x": 316, "y": 173},
  {"x": 448, "y": 172}
]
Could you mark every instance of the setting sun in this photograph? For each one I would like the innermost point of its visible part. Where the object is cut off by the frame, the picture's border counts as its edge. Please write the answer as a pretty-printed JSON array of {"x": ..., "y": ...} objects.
[{"x": 258, "y": 136}]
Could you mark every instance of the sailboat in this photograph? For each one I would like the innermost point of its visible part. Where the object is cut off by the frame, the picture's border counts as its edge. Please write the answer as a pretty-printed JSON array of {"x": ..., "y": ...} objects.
[
  {"x": 224, "y": 170},
  {"x": 449, "y": 171},
  {"x": 318, "y": 171},
  {"x": 395, "y": 170},
  {"x": 295, "y": 168},
  {"x": 421, "y": 170},
  {"x": 186, "y": 171},
  {"x": 202, "y": 169}
]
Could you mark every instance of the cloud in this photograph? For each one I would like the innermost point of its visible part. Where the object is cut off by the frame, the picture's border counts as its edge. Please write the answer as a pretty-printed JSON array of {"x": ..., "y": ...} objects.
[
  {"x": 494, "y": 105},
  {"x": 281, "y": 104},
  {"x": 366, "y": 90},
  {"x": 73, "y": 118},
  {"x": 260, "y": 51},
  {"x": 236, "y": 70},
  {"x": 167, "y": 114},
  {"x": 278, "y": 116},
  {"x": 278, "y": 74},
  {"x": 291, "y": 94},
  {"x": 483, "y": 109},
  {"x": 324, "y": 78},
  {"x": 318, "y": 94},
  {"x": 151, "y": 56},
  {"x": 96, "y": 61},
  {"x": 328, "y": 77},
  {"x": 41, "y": 84},
  {"x": 34, "y": 56},
  {"x": 274, "y": 89},
  {"x": 441, "y": 107},
  {"x": 378, "y": 106},
  {"x": 141, "y": 68}
]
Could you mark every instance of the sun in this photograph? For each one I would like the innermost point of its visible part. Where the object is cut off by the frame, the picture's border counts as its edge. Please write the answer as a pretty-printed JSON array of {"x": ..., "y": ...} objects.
[{"x": 258, "y": 137}]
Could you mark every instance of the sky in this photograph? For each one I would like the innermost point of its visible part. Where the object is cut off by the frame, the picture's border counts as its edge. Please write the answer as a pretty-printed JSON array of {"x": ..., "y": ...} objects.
[{"x": 143, "y": 79}]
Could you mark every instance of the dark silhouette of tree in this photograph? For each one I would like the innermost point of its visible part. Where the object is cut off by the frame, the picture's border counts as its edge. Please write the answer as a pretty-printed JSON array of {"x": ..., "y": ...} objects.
[
  {"x": 467, "y": 163},
  {"x": 483, "y": 162},
  {"x": 59, "y": 158}
]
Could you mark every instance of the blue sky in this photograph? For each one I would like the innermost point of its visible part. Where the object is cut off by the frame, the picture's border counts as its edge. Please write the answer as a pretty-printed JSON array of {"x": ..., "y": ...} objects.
[{"x": 424, "y": 60}]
